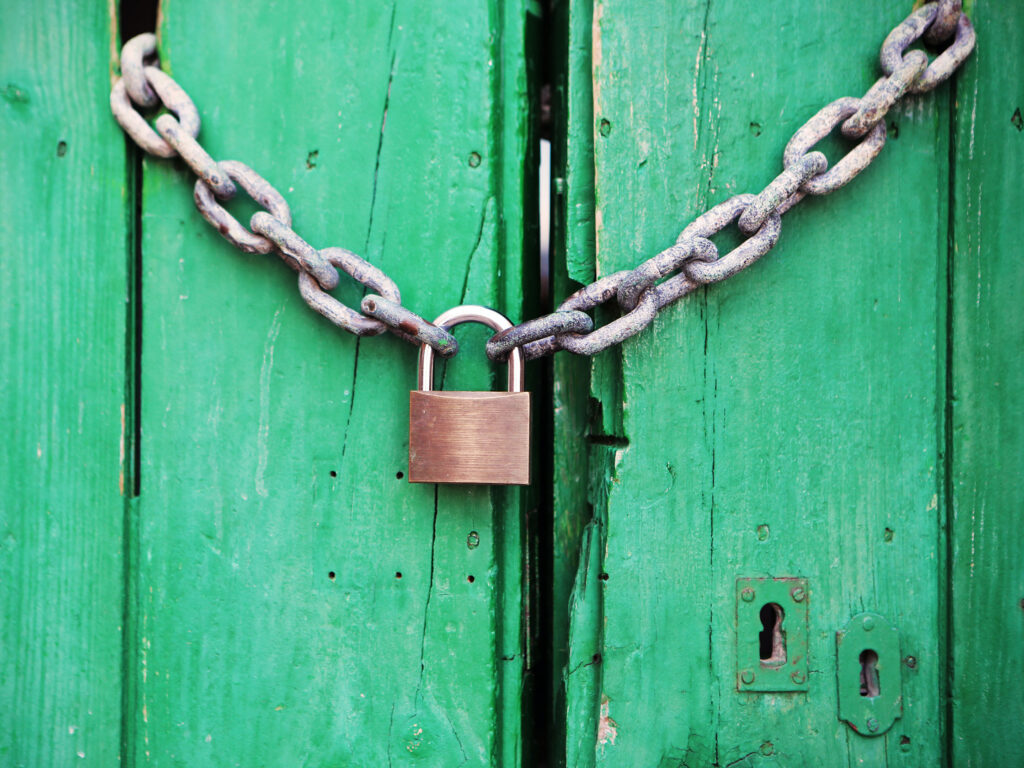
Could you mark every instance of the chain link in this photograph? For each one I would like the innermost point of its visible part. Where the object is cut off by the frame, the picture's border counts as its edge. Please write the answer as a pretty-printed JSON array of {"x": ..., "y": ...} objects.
[
  {"x": 694, "y": 261},
  {"x": 691, "y": 262},
  {"x": 261, "y": 192},
  {"x": 852, "y": 163},
  {"x": 144, "y": 85}
]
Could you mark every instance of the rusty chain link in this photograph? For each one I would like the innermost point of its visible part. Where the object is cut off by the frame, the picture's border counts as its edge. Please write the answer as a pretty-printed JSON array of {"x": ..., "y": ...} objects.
[
  {"x": 144, "y": 85},
  {"x": 640, "y": 293},
  {"x": 694, "y": 260}
]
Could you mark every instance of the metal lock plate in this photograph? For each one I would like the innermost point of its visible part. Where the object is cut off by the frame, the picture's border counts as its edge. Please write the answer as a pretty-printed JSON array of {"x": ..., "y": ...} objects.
[
  {"x": 771, "y": 639},
  {"x": 470, "y": 437},
  {"x": 869, "y": 674}
]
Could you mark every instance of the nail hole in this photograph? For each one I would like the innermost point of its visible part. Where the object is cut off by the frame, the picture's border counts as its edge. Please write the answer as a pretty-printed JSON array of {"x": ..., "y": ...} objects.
[
  {"x": 333, "y": 473},
  {"x": 330, "y": 575},
  {"x": 473, "y": 540},
  {"x": 771, "y": 640},
  {"x": 62, "y": 148},
  {"x": 605, "y": 127},
  {"x": 904, "y": 741},
  {"x": 474, "y": 159},
  {"x": 894, "y": 130},
  {"x": 755, "y": 128},
  {"x": 1017, "y": 120},
  {"x": 399, "y": 475},
  {"x": 887, "y": 536},
  {"x": 398, "y": 574},
  {"x": 471, "y": 578},
  {"x": 763, "y": 532},
  {"x": 603, "y": 576},
  {"x": 869, "y": 687},
  {"x": 311, "y": 159},
  {"x": 595, "y": 659}
]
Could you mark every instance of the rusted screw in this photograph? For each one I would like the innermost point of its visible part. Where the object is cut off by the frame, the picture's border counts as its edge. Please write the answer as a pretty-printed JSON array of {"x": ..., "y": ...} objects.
[
  {"x": 911, "y": 662},
  {"x": 747, "y": 594},
  {"x": 747, "y": 677},
  {"x": 798, "y": 677},
  {"x": 798, "y": 594},
  {"x": 869, "y": 623},
  {"x": 872, "y": 725}
]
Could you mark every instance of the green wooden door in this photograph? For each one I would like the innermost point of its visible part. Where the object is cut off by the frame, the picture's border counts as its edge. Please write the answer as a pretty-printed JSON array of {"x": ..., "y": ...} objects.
[
  {"x": 837, "y": 413},
  {"x": 209, "y": 553}
]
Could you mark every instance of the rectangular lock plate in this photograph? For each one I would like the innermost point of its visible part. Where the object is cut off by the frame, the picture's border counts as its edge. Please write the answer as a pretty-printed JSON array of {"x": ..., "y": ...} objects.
[{"x": 771, "y": 639}]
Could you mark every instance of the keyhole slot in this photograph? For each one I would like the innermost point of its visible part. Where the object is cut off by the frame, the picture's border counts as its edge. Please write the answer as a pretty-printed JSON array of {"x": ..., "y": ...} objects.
[
  {"x": 869, "y": 687},
  {"x": 771, "y": 638}
]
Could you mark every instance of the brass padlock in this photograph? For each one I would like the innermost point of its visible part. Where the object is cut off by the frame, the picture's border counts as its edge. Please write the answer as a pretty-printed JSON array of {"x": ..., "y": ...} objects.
[{"x": 470, "y": 437}]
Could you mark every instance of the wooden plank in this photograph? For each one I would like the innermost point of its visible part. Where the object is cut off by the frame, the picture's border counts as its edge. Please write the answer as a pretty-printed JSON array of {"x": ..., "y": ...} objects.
[
  {"x": 572, "y": 260},
  {"x": 63, "y": 284},
  {"x": 986, "y": 437},
  {"x": 785, "y": 423},
  {"x": 299, "y": 601}
]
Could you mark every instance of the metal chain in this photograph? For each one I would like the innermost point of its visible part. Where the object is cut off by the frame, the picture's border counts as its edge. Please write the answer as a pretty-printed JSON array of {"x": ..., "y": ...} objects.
[
  {"x": 641, "y": 293},
  {"x": 144, "y": 85},
  {"x": 694, "y": 260}
]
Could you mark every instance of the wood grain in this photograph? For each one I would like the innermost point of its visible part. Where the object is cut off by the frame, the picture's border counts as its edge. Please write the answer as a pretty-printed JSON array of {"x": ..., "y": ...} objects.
[
  {"x": 63, "y": 286},
  {"x": 986, "y": 437},
  {"x": 299, "y": 602},
  {"x": 785, "y": 423}
]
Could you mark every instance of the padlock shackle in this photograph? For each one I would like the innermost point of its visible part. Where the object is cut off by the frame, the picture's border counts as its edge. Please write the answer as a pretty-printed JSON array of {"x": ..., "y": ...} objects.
[{"x": 472, "y": 313}]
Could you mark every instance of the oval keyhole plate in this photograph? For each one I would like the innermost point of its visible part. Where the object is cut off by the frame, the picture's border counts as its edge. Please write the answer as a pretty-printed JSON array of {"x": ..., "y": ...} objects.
[{"x": 868, "y": 674}]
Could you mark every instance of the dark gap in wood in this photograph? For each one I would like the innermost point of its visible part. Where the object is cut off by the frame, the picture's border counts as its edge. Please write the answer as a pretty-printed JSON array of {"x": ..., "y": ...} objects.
[
  {"x": 132, "y": 18},
  {"x": 137, "y": 16},
  {"x": 616, "y": 441},
  {"x": 539, "y": 716},
  {"x": 945, "y": 514}
]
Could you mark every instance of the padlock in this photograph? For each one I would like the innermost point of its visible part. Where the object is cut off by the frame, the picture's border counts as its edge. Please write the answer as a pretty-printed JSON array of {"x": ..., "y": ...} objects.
[{"x": 470, "y": 437}]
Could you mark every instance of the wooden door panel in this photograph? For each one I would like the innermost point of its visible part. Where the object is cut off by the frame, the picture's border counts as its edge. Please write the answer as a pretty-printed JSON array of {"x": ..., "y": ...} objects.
[
  {"x": 297, "y": 600},
  {"x": 63, "y": 287},
  {"x": 789, "y": 422},
  {"x": 986, "y": 440}
]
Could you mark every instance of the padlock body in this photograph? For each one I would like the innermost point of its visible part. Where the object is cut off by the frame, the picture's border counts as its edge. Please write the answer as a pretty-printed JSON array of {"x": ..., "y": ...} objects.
[{"x": 469, "y": 437}]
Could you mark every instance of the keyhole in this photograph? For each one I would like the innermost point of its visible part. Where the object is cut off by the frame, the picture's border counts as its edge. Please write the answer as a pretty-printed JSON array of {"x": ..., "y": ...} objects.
[
  {"x": 772, "y": 640},
  {"x": 869, "y": 674}
]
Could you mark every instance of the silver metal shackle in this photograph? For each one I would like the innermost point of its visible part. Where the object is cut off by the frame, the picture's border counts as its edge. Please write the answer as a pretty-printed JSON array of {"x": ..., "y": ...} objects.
[{"x": 472, "y": 313}]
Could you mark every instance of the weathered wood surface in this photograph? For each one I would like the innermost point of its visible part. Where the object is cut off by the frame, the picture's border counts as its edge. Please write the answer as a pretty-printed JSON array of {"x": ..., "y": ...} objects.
[
  {"x": 296, "y": 599},
  {"x": 263, "y": 588},
  {"x": 291, "y": 599},
  {"x": 987, "y": 412},
  {"x": 792, "y": 421},
  {"x": 62, "y": 335}
]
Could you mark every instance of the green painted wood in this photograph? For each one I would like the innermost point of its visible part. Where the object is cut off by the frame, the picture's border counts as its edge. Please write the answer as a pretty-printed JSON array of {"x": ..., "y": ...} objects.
[
  {"x": 987, "y": 417},
  {"x": 572, "y": 242},
  {"x": 786, "y": 423},
  {"x": 63, "y": 284},
  {"x": 297, "y": 601}
]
